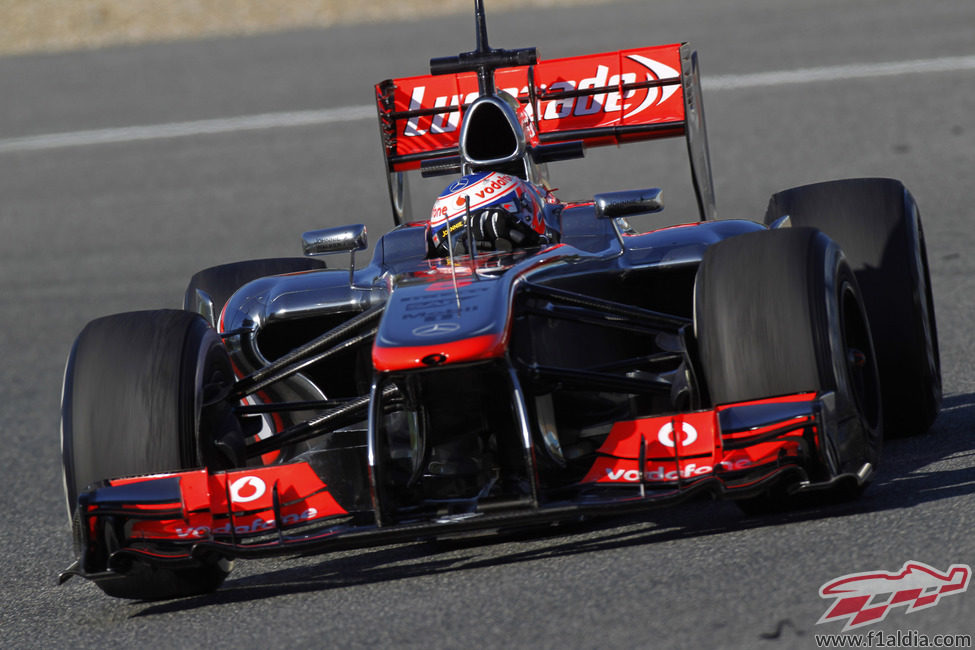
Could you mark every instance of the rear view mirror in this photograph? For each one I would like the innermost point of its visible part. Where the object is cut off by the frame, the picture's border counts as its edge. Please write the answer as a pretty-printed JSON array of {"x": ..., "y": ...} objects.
[
  {"x": 334, "y": 240},
  {"x": 610, "y": 205}
]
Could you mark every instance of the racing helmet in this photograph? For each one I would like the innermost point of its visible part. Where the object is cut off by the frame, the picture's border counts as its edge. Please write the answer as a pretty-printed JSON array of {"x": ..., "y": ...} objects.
[{"x": 505, "y": 212}]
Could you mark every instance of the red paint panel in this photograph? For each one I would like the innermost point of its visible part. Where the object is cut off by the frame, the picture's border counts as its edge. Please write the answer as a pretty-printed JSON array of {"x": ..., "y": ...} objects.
[
  {"x": 654, "y": 106},
  {"x": 302, "y": 495},
  {"x": 686, "y": 434},
  {"x": 687, "y": 446},
  {"x": 476, "y": 348}
]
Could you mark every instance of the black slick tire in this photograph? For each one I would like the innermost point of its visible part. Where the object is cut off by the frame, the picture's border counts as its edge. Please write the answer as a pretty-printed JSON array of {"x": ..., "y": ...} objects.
[
  {"x": 134, "y": 401},
  {"x": 877, "y": 224},
  {"x": 779, "y": 312}
]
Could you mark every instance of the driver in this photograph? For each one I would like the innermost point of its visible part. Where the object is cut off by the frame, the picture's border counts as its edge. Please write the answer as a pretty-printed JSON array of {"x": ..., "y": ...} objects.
[{"x": 506, "y": 212}]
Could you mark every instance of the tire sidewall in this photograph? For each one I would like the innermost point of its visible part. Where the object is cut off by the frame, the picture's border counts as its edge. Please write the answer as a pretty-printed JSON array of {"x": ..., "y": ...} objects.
[
  {"x": 923, "y": 299},
  {"x": 857, "y": 439}
]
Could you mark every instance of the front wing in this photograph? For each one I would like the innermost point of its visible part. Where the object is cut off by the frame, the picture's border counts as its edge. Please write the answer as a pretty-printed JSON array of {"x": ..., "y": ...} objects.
[{"x": 185, "y": 518}]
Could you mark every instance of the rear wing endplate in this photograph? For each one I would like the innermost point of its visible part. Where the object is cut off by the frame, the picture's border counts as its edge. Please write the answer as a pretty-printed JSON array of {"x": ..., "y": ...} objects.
[{"x": 597, "y": 99}]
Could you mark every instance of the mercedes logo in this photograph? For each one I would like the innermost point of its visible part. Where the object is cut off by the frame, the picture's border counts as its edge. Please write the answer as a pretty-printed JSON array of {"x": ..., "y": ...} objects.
[
  {"x": 435, "y": 328},
  {"x": 458, "y": 185}
]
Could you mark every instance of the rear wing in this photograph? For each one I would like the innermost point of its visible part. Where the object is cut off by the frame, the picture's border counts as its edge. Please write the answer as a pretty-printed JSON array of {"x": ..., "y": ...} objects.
[{"x": 597, "y": 99}]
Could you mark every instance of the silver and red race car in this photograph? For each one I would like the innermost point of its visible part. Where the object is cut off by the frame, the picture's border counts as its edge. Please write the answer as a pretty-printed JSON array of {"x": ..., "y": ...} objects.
[{"x": 510, "y": 360}]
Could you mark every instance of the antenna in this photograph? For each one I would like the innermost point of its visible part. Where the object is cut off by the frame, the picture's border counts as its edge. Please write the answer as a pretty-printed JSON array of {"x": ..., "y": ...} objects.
[
  {"x": 484, "y": 60},
  {"x": 485, "y": 77},
  {"x": 481, "y": 23},
  {"x": 471, "y": 245}
]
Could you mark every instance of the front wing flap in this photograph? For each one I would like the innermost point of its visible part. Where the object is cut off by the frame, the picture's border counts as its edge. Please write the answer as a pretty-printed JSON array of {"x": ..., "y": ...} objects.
[{"x": 731, "y": 443}]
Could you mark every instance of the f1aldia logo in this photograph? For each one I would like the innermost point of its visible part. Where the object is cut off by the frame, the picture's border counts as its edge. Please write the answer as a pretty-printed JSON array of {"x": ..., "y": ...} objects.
[
  {"x": 247, "y": 489},
  {"x": 866, "y": 598},
  {"x": 556, "y": 109}
]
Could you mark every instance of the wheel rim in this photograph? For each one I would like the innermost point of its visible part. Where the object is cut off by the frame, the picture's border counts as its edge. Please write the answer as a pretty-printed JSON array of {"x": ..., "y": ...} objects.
[
  {"x": 861, "y": 365},
  {"x": 212, "y": 379}
]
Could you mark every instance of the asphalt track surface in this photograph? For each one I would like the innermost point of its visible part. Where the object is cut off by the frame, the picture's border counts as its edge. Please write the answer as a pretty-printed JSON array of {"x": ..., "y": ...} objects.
[{"x": 92, "y": 229}]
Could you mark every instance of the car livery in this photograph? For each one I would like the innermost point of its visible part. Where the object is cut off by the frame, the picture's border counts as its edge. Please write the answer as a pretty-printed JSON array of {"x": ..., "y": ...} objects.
[{"x": 292, "y": 407}]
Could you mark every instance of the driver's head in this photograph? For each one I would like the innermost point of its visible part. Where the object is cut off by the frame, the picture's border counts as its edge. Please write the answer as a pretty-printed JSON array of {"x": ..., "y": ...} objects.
[{"x": 505, "y": 211}]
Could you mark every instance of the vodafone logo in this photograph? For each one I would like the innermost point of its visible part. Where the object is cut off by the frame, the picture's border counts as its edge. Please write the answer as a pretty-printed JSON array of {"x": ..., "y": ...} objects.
[
  {"x": 247, "y": 489},
  {"x": 666, "y": 434}
]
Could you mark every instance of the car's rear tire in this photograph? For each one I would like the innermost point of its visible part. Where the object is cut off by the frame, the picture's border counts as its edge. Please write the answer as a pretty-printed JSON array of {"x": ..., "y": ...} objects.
[
  {"x": 221, "y": 282},
  {"x": 779, "y": 312},
  {"x": 876, "y": 223},
  {"x": 141, "y": 391}
]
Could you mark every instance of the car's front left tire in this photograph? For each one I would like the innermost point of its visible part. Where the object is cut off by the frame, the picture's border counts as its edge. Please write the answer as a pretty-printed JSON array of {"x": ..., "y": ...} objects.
[
  {"x": 877, "y": 224},
  {"x": 779, "y": 312}
]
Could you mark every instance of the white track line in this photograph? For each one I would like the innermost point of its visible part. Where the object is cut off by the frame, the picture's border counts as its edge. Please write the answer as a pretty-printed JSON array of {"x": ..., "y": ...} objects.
[
  {"x": 182, "y": 129},
  {"x": 354, "y": 113},
  {"x": 840, "y": 73}
]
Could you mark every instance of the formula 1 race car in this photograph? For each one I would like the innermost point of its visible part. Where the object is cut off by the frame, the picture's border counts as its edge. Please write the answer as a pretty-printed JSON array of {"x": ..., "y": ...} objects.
[{"x": 510, "y": 361}]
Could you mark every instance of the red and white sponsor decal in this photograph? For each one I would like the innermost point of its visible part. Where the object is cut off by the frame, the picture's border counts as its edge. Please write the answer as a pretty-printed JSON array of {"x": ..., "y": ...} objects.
[
  {"x": 691, "y": 436},
  {"x": 247, "y": 489},
  {"x": 244, "y": 526},
  {"x": 620, "y": 470},
  {"x": 867, "y": 598},
  {"x": 684, "y": 446},
  {"x": 687, "y": 436},
  {"x": 697, "y": 436},
  {"x": 619, "y": 107},
  {"x": 301, "y": 494},
  {"x": 661, "y": 471}
]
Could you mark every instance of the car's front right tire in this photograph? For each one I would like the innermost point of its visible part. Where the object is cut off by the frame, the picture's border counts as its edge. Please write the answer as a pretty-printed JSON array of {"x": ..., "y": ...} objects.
[{"x": 142, "y": 395}]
